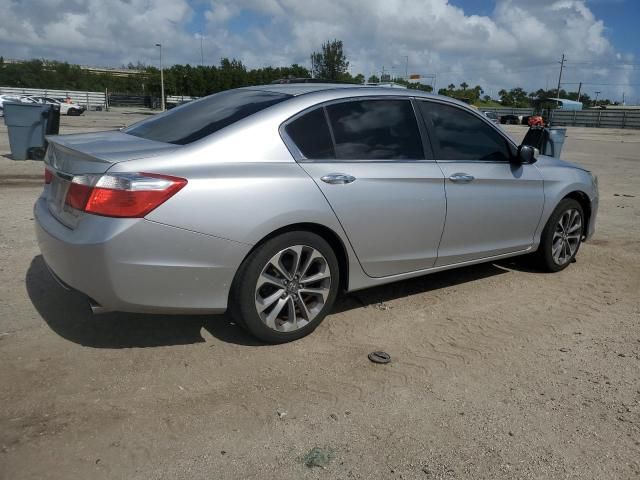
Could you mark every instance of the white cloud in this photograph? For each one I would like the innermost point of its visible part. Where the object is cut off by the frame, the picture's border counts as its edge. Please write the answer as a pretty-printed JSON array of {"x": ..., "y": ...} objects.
[{"x": 517, "y": 45}]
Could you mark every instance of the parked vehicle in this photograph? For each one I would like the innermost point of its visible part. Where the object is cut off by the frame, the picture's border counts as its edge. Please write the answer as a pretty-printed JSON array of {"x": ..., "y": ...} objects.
[
  {"x": 535, "y": 121},
  {"x": 510, "y": 119},
  {"x": 493, "y": 116},
  {"x": 11, "y": 98},
  {"x": 66, "y": 108},
  {"x": 267, "y": 201}
]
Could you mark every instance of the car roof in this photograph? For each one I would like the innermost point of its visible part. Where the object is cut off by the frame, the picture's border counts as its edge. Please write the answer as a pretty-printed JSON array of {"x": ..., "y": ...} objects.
[
  {"x": 296, "y": 89},
  {"x": 301, "y": 88},
  {"x": 341, "y": 90}
]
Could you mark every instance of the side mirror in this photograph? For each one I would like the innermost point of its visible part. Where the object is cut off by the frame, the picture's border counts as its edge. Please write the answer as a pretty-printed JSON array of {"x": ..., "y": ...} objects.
[{"x": 526, "y": 154}]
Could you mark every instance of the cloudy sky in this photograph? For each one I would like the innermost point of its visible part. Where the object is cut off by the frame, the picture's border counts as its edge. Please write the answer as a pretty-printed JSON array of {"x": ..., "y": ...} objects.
[{"x": 494, "y": 43}]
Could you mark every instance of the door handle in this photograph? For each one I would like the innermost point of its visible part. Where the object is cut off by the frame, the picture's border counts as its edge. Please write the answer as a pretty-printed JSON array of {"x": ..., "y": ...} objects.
[
  {"x": 338, "y": 178},
  {"x": 461, "y": 178}
]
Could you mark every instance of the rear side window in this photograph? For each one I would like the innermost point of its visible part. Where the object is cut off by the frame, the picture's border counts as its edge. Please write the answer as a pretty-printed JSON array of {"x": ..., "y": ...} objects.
[
  {"x": 375, "y": 130},
  {"x": 311, "y": 134},
  {"x": 460, "y": 135},
  {"x": 196, "y": 120}
]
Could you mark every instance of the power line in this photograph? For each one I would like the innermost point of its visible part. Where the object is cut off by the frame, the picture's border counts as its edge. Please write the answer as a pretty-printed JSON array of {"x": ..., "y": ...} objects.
[
  {"x": 464, "y": 71},
  {"x": 604, "y": 64},
  {"x": 605, "y": 84},
  {"x": 484, "y": 69}
]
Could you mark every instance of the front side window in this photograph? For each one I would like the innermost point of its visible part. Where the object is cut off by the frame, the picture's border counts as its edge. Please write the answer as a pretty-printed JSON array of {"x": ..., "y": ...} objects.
[
  {"x": 460, "y": 135},
  {"x": 375, "y": 130},
  {"x": 195, "y": 120}
]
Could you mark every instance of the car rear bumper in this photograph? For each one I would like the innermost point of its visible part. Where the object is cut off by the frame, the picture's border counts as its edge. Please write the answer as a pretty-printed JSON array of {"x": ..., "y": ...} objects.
[{"x": 136, "y": 265}]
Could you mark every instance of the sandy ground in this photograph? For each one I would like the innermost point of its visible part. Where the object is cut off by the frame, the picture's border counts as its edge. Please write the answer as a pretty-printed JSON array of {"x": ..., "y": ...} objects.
[{"x": 498, "y": 371}]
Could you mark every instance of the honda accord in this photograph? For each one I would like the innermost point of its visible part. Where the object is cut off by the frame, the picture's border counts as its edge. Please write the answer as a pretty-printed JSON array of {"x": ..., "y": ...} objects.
[{"x": 268, "y": 201}]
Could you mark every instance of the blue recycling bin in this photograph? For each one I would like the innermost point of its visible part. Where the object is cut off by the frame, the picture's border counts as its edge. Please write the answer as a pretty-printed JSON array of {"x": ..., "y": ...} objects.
[
  {"x": 28, "y": 123},
  {"x": 548, "y": 140},
  {"x": 556, "y": 141}
]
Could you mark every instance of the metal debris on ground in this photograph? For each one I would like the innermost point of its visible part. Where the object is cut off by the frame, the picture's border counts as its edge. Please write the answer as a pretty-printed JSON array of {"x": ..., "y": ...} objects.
[{"x": 379, "y": 357}]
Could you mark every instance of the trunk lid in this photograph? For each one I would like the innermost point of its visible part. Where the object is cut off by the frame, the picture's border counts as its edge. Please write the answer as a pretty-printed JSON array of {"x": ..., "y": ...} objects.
[
  {"x": 89, "y": 154},
  {"x": 95, "y": 152}
]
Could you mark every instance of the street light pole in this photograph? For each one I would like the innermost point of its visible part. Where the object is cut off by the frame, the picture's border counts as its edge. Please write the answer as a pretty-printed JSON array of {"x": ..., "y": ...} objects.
[
  {"x": 560, "y": 77},
  {"x": 596, "y": 100},
  {"x": 161, "y": 77}
]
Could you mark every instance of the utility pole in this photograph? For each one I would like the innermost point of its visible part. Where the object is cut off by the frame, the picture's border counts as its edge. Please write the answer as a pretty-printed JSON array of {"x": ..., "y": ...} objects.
[
  {"x": 579, "y": 89},
  {"x": 161, "y": 77},
  {"x": 560, "y": 78},
  {"x": 596, "y": 100},
  {"x": 406, "y": 68},
  {"x": 623, "y": 98}
]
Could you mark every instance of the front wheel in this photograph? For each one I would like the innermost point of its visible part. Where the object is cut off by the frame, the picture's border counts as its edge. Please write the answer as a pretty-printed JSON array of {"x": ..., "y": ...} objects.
[
  {"x": 562, "y": 236},
  {"x": 285, "y": 287}
]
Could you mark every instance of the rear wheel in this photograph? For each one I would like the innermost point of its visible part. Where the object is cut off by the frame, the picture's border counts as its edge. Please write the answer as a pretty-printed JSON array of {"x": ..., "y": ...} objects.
[
  {"x": 286, "y": 287},
  {"x": 561, "y": 237}
]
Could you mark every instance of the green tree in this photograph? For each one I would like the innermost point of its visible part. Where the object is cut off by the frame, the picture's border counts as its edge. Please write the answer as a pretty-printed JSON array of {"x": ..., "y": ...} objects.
[
  {"x": 330, "y": 63},
  {"x": 464, "y": 85},
  {"x": 373, "y": 79}
]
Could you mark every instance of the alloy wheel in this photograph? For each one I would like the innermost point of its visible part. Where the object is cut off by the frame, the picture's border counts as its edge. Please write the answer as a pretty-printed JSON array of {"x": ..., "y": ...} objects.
[
  {"x": 292, "y": 288},
  {"x": 566, "y": 236}
]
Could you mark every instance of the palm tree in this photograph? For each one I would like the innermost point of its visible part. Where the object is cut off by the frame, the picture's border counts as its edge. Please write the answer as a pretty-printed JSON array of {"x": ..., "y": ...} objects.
[{"x": 464, "y": 85}]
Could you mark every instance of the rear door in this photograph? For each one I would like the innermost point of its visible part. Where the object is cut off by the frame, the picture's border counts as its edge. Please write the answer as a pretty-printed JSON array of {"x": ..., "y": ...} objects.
[
  {"x": 367, "y": 157},
  {"x": 493, "y": 205}
]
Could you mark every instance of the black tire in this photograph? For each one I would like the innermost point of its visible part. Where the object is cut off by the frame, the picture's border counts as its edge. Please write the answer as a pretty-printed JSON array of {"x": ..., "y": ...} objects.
[
  {"x": 544, "y": 258},
  {"x": 244, "y": 291},
  {"x": 72, "y": 112}
]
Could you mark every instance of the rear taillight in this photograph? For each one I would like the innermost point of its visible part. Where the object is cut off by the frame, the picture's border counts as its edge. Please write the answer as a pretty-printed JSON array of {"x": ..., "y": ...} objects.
[
  {"x": 122, "y": 195},
  {"x": 48, "y": 176}
]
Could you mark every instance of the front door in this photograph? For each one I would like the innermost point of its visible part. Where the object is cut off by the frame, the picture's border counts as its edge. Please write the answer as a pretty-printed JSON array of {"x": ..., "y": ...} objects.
[
  {"x": 371, "y": 167},
  {"x": 493, "y": 206}
]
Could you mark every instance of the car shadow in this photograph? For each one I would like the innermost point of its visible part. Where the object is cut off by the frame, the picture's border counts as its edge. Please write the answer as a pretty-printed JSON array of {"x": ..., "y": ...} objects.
[
  {"x": 417, "y": 285},
  {"x": 67, "y": 312}
]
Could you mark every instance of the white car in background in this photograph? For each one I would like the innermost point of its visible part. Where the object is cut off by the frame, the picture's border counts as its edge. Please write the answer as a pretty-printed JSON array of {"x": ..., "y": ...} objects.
[
  {"x": 10, "y": 98},
  {"x": 65, "y": 108}
]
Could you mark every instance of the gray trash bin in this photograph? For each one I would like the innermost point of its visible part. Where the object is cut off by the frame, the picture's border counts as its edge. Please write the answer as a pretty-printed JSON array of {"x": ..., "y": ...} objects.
[
  {"x": 555, "y": 141},
  {"x": 27, "y": 126}
]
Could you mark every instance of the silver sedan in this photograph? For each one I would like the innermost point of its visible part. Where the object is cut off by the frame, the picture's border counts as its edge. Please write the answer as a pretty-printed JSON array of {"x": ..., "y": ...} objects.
[{"x": 269, "y": 201}]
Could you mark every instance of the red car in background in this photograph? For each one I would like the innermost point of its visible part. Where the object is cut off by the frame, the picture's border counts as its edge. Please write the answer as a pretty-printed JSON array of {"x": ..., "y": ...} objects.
[{"x": 535, "y": 121}]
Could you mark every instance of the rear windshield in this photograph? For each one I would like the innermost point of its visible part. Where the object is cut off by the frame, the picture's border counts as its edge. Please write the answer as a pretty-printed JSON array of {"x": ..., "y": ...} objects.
[{"x": 196, "y": 120}]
